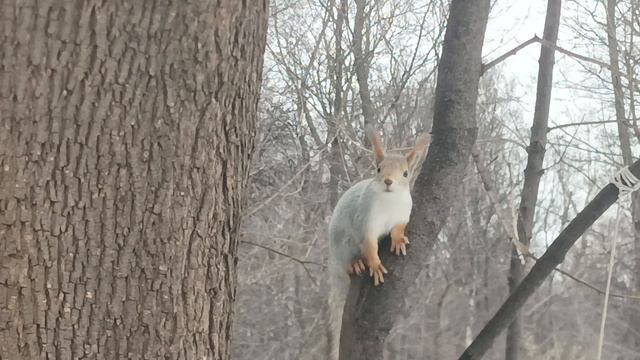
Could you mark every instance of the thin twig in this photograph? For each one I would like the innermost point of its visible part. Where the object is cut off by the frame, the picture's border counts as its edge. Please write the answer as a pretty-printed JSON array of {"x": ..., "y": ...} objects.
[
  {"x": 579, "y": 57},
  {"x": 304, "y": 263},
  {"x": 581, "y": 123},
  {"x": 559, "y": 49},
  {"x": 607, "y": 290},
  {"x": 502, "y": 57},
  {"x": 626, "y": 122},
  {"x": 503, "y": 216},
  {"x": 300, "y": 261},
  {"x": 519, "y": 246},
  {"x": 506, "y": 140},
  {"x": 590, "y": 286},
  {"x": 255, "y": 209}
]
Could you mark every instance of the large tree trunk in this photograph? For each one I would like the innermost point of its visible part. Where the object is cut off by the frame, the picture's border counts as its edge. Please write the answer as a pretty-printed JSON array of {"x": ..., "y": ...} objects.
[
  {"x": 535, "y": 159},
  {"x": 126, "y": 133},
  {"x": 370, "y": 312}
]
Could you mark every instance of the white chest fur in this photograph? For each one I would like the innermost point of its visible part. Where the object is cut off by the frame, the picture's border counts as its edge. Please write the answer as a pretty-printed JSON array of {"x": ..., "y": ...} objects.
[{"x": 389, "y": 209}]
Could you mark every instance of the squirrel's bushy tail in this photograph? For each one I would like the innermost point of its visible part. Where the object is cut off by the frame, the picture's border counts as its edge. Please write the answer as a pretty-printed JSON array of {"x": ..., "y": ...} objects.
[{"x": 339, "y": 282}]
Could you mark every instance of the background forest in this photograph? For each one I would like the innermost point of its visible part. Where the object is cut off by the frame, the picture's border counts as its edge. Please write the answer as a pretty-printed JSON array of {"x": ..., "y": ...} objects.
[{"x": 331, "y": 64}]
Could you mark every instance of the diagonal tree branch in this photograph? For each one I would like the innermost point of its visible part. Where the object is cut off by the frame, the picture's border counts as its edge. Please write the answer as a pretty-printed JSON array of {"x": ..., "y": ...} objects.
[
  {"x": 548, "y": 44},
  {"x": 505, "y": 219},
  {"x": 501, "y": 58},
  {"x": 553, "y": 257}
]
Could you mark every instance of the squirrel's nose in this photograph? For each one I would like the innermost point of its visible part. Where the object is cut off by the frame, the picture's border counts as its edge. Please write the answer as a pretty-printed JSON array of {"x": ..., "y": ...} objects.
[{"x": 388, "y": 182}]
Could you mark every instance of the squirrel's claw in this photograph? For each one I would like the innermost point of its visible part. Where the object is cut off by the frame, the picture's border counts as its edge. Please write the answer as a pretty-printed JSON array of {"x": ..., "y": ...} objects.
[
  {"x": 399, "y": 245},
  {"x": 356, "y": 267},
  {"x": 377, "y": 272}
]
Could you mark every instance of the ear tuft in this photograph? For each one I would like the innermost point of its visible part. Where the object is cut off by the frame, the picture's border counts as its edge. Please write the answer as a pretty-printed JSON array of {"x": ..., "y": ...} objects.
[
  {"x": 418, "y": 149},
  {"x": 376, "y": 142}
]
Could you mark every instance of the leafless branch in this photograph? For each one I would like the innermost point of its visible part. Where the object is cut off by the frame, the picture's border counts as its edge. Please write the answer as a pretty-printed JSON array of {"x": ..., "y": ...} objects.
[
  {"x": 509, "y": 53},
  {"x": 580, "y": 124},
  {"x": 559, "y": 49},
  {"x": 304, "y": 263},
  {"x": 592, "y": 287},
  {"x": 255, "y": 209},
  {"x": 505, "y": 219}
]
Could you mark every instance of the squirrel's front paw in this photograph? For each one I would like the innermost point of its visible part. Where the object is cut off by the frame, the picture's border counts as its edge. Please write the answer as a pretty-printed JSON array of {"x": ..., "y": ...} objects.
[
  {"x": 399, "y": 245},
  {"x": 377, "y": 271},
  {"x": 356, "y": 267}
]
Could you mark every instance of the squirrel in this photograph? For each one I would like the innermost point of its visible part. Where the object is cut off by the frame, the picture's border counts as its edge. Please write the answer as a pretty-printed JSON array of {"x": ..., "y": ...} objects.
[{"x": 366, "y": 212}]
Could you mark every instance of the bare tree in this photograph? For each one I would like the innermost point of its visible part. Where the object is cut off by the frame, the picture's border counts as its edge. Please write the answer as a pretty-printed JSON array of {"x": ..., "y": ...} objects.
[
  {"x": 371, "y": 312},
  {"x": 625, "y": 144},
  {"x": 337, "y": 118},
  {"x": 362, "y": 64},
  {"x": 534, "y": 170},
  {"x": 458, "y": 288},
  {"x": 286, "y": 222},
  {"x": 543, "y": 267},
  {"x": 128, "y": 129}
]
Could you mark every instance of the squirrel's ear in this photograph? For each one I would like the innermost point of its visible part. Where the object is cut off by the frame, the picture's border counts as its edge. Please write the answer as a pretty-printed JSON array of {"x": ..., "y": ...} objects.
[
  {"x": 421, "y": 145},
  {"x": 376, "y": 142}
]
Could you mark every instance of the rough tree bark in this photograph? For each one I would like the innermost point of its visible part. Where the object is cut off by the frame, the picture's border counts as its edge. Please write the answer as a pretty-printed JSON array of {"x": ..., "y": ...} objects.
[
  {"x": 370, "y": 312},
  {"x": 361, "y": 67},
  {"x": 126, "y": 132},
  {"x": 543, "y": 267},
  {"x": 625, "y": 147},
  {"x": 535, "y": 159},
  {"x": 333, "y": 124}
]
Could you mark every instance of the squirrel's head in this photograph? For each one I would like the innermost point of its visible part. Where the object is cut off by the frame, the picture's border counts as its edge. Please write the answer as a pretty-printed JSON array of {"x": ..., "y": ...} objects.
[{"x": 393, "y": 171}]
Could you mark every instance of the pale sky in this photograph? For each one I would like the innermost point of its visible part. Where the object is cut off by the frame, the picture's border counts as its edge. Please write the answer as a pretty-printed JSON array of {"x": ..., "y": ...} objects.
[{"x": 512, "y": 23}]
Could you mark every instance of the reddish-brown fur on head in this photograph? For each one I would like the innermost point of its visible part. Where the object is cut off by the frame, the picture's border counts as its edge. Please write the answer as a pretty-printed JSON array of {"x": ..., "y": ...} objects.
[
  {"x": 393, "y": 169},
  {"x": 421, "y": 146},
  {"x": 376, "y": 143}
]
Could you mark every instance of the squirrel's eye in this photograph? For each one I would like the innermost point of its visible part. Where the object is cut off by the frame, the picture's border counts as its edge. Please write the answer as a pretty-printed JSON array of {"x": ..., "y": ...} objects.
[
  {"x": 378, "y": 169},
  {"x": 406, "y": 173}
]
